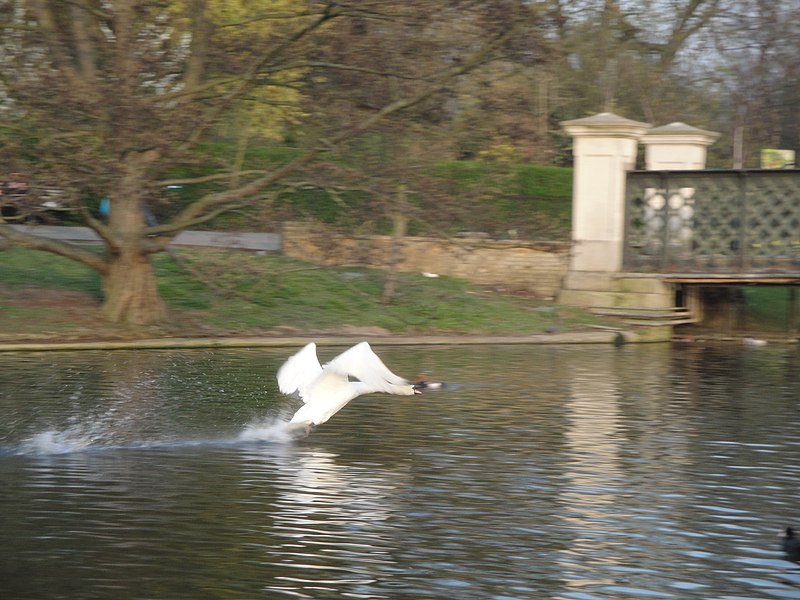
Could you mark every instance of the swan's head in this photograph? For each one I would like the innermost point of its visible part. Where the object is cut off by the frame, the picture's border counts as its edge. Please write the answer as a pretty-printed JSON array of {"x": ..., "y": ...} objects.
[{"x": 421, "y": 384}]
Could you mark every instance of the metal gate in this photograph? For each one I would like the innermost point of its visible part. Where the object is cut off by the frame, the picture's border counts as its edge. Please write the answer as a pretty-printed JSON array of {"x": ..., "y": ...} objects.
[{"x": 714, "y": 222}]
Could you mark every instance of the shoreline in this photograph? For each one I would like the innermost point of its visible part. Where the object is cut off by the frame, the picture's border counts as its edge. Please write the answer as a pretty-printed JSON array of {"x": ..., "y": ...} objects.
[
  {"x": 598, "y": 336},
  {"x": 610, "y": 336}
]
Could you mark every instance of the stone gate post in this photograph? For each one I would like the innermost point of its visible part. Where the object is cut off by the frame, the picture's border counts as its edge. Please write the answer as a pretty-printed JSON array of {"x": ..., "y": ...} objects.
[
  {"x": 676, "y": 147},
  {"x": 604, "y": 148}
]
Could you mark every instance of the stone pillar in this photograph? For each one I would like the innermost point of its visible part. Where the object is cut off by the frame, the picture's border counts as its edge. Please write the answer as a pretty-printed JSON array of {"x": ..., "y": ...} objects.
[
  {"x": 677, "y": 147},
  {"x": 604, "y": 148}
]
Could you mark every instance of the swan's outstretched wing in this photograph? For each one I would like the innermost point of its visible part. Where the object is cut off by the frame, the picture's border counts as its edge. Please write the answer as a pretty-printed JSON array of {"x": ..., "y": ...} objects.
[
  {"x": 363, "y": 364},
  {"x": 327, "y": 390},
  {"x": 299, "y": 372}
]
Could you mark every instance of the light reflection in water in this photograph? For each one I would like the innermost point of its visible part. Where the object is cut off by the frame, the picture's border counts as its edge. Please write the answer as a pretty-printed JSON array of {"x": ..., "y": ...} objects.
[
  {"x": 329, "y": 522},
  {"x": 591, "y": 467}
]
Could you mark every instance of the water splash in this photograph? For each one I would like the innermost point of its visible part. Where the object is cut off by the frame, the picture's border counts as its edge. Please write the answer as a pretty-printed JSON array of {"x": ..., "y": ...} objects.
[
  {"x": 96, "y": 435},
  {"x": 273, "y": 430},
  {"x": 55, "y": 442},
  {"x": 84, "y": 439}
]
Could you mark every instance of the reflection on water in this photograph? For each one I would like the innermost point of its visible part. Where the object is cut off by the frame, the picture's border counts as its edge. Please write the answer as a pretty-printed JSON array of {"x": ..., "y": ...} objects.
[
  {"x": 330, "y": 522},
  {"x": 550, "y": 472},
  {"x": 591, "y": 467}
]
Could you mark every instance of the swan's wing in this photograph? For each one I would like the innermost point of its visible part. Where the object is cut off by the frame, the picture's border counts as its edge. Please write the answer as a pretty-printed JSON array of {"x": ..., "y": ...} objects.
[
  {"x": 363, "y": 364},
  {"x": 299, "y": 372}
]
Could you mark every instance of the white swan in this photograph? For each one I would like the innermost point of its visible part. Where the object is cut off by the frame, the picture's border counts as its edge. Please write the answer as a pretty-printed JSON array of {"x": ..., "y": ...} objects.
[{"x": 326, "y": 390}]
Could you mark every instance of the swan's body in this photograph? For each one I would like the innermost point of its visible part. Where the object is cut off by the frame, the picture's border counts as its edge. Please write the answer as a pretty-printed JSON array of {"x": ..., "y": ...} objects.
[{"x": 325, "y": 390}]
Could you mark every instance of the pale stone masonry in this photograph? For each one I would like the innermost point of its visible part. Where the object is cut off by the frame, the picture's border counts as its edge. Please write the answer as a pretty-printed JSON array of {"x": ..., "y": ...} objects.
[
  {"x": 605, "y": 147},
  {"x": 537, "y": 267},
  {"x": 676, "y": 147}
]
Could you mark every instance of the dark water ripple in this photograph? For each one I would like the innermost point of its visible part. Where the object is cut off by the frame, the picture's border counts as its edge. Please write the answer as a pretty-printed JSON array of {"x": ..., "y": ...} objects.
[{"x": 566, "y": 473}]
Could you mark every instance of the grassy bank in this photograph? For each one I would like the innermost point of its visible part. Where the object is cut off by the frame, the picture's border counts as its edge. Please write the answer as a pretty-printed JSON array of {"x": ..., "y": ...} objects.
[
  {"x": 225, "y": 293},
  {"x": 767, "y": 308},
  {"x": 532, "y": 201}
]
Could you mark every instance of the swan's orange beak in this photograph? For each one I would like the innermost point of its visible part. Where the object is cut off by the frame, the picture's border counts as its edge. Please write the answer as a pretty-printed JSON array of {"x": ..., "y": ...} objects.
[{"x": 419, "y": 387}]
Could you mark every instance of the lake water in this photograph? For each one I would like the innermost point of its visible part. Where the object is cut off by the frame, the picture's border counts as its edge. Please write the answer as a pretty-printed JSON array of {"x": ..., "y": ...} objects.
[{"x": 563, "y": 472}]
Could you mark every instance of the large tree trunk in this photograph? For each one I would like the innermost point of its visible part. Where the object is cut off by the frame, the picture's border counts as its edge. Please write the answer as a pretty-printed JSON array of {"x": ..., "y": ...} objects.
[
  {"x": 130, "y": 291},
  {"x": 129, "y": 284}
]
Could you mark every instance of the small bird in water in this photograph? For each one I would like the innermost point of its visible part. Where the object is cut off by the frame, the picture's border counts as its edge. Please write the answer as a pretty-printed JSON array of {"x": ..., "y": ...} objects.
[
  {"x": 790, "y": 545},
  {"x": 325, "y": 390}
]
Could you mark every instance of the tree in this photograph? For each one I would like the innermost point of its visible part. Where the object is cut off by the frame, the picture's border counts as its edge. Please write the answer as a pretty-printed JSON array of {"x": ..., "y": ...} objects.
[
  {"x": 106, "y": 99},
  {"x": 759, "y": 77},
  {"x": 623, "y": 56},
  {"x": 635, "y": 57}
]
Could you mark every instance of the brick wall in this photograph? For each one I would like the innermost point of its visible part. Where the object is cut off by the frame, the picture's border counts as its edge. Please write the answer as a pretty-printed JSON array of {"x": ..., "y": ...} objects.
[{"x": 535, "y": 266}]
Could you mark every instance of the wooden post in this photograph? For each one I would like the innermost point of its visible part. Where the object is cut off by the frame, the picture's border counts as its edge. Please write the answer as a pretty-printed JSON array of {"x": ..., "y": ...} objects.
[{"x": 400, "y": 223}]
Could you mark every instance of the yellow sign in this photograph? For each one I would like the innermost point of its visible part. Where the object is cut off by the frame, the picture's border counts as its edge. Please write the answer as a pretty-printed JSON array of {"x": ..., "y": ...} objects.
[{"x": 772, "y": 158}]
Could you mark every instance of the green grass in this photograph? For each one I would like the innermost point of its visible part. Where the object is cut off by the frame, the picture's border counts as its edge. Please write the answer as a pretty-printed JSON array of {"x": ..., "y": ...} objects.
[
  {"x": 543, "y": 182},
  {"x": 25, "y": 268},
  {"x": 535, "y": 200},
  {"x": 255, "y": 292},
  {"x": 767, "y": 307},
  {"x": 537, "y": 182},
  {"x": 532, "y": 200},
  {"x": 224, "y": 293}
]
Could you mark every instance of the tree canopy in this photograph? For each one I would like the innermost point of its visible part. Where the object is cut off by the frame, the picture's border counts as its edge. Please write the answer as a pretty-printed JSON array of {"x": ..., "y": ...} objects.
[
  {"x": 119, "y": 99},
  {"x": 106, "y": 99}
]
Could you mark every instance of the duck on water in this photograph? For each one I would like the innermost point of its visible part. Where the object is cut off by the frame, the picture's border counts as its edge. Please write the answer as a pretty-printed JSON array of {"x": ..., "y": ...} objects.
[{"x": 790, "y": 545}]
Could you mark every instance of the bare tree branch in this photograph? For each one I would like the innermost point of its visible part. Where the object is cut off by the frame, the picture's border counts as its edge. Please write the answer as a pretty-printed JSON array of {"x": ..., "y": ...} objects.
[
  {"x": 33, "y": 242},
  {"x": 207, "y": 178},
  {"x": 214, "y": 201}
]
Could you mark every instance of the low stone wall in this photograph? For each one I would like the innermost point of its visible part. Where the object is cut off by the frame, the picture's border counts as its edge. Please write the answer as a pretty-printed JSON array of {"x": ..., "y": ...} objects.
[{"x": 537, "y": 267}]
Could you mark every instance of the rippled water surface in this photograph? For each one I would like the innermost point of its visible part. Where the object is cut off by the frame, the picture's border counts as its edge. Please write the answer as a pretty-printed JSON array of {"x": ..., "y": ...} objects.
[{"x": 545, "y": 472}]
